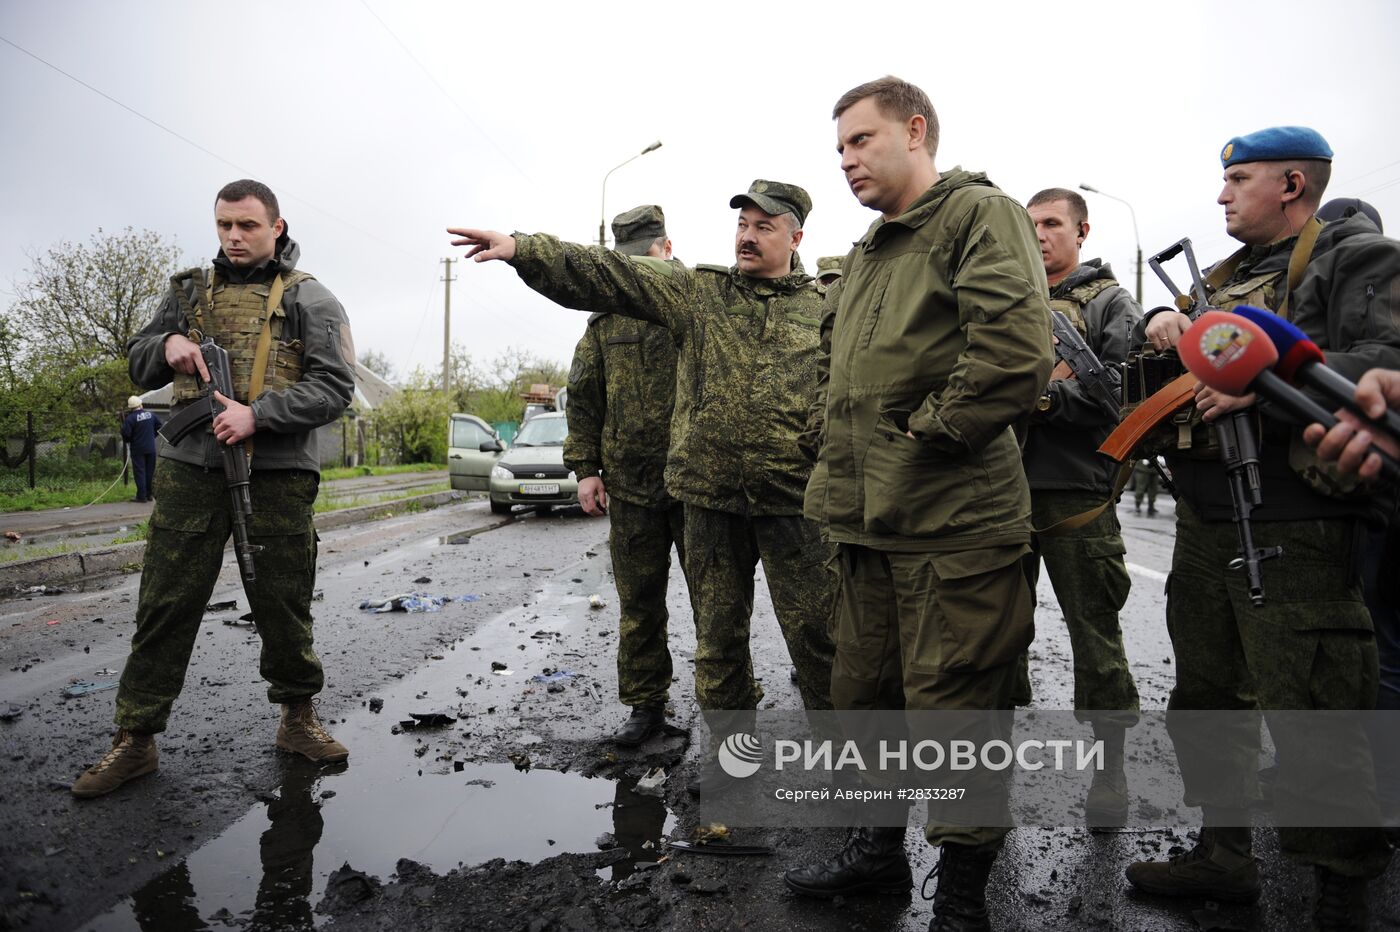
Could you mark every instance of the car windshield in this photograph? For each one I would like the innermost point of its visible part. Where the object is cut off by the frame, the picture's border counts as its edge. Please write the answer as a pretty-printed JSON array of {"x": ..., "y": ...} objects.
[{"x": 542, "y": 432}]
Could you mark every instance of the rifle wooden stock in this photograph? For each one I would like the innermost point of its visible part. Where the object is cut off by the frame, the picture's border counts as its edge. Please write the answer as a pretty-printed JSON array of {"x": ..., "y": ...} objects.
[{"x": 1166, "y": 402}]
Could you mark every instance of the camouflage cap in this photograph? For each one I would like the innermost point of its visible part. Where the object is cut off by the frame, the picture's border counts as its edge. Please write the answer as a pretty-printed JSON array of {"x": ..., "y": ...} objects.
[
  {"x": 635, "y": 230},
  {"x": 829, "y": 266},
  {"x": 774, "y": 197}
]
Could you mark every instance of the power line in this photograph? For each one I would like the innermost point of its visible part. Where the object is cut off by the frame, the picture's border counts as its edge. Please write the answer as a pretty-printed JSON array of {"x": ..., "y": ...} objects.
[
  {"x": 452, "y": 100},
  {"x": 209, "y": 152}
]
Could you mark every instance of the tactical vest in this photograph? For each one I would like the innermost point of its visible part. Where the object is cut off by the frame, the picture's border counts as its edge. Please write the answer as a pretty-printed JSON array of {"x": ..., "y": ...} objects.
[
  {"x": 237, "y": 317},
  {"x": 1072, "y": 303}
]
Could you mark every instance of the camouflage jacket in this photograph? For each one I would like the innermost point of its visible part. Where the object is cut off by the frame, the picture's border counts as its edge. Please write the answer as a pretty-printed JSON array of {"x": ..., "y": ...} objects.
[
  {"x": 1348, "y": 303},
  {"x": 941, "y": 330},
  {"x": 1062, "y": 444},
  {"x": 622, "y": 391},
  {"x": 746, "y": 372},
  {"x": 286, "y": 420}
]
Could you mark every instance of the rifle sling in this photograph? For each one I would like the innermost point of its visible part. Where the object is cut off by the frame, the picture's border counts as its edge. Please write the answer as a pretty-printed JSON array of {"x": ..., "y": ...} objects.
[{"x": 1074, "y": 522}]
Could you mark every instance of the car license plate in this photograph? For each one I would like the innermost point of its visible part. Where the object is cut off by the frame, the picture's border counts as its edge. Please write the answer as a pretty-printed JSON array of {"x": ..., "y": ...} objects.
[{"x": 539, "y": 488}]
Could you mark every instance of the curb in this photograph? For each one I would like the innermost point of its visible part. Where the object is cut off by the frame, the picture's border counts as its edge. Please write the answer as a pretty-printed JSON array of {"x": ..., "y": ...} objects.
[{"x": 81, "y": 565}]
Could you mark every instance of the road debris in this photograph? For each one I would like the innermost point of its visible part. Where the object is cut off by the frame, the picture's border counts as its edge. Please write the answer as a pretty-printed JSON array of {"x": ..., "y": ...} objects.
[
  {"x": 414, "y": 602},
  {"x": 230, "y": 606},
  {"x": 597, "y": 601},
  {"x": 652, "y": 783},
  {"x": 74, "y": 690}
]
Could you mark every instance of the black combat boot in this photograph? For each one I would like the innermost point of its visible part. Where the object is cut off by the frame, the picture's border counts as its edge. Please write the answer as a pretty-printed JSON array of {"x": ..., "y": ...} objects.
[
  {"x": 1341, "y": 902},
  {"x": 645, "y": 721},
  {"x": 873, "y": 861},
  {"x": 960, "y": 903},
  {"x": 1220, "y": 867}
]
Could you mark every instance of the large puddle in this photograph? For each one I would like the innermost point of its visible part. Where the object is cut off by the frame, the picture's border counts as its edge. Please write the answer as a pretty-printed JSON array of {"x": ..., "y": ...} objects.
[{"x": 412, "y": 794}]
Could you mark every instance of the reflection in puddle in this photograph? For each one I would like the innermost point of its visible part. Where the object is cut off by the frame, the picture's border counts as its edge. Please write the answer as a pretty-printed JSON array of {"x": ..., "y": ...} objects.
[
  {"x": 269, "y": 869},
  {"x": 392, "y": 800}
]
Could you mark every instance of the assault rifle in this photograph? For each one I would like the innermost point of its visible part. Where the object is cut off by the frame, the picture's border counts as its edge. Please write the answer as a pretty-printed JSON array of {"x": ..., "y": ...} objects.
[
  {"x": 203, "y": 411},
  {"x": 1103, "y": 382},
  {"x": 1239, "y": 446}
]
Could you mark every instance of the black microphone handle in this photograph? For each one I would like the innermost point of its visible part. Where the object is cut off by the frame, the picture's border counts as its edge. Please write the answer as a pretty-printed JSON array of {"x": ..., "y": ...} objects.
[
  {"x": 1341, "y": 390},
  {"x": 1305, "y": 410}
]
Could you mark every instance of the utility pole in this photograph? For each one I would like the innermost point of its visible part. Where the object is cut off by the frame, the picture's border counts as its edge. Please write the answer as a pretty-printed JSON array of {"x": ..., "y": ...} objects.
[
  {"x": 603, "y": 204},
  {"x": 447, "y": 329}
]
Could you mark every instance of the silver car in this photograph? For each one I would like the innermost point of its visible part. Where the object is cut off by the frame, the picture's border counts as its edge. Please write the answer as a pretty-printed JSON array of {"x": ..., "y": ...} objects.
[
  {"x": 472, "y": 449},
  {"x": 532, "y": 472}
]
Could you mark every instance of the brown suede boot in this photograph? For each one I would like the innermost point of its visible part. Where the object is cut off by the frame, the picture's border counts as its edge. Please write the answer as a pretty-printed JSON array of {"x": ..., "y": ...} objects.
[
  {"x": 1220, "y": 867},
  {"x": 301, "y": 732},
  {"x": 1106, "y": 806},
  {"x": 132, "y": 756}
]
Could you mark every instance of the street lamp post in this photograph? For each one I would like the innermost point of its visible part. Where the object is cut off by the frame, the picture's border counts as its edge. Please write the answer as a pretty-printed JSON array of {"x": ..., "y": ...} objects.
[
  {"x": 602, "y": 207},
  {"x": 1138, "y": 239}
]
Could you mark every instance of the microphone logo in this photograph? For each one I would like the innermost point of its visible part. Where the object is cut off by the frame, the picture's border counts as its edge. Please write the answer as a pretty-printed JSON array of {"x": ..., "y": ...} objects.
[{"x": 1223, "y": 343}]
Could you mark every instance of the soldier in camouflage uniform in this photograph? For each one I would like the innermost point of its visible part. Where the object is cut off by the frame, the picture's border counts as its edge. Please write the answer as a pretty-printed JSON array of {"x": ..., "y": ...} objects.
[
  {"x": 1310, "y": 646},
  {"x": 745, "y": 378},
  {"x": 622, "y": 390},
  {"x": 1068, "y": 477},
  {"x": 828, "y": 272},
  {"x": 252, "y": 297}
]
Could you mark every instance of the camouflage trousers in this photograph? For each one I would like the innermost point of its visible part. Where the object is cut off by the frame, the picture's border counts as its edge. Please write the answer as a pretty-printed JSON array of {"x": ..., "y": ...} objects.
[
  {"x": 1091, "y": 584},
  {"x": 928, "y": 631},
  {"x": 722, "y": 551},
  {"x": 189, "y": 526},
  {"x": 640, "y": 540},
  {"x": 1309, "y": 646}
]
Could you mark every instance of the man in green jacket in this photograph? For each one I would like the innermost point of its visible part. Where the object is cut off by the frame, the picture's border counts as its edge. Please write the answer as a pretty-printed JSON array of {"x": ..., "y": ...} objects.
[
  {"x": 941, "y": 342},
  {"x": 1310, "y": 645},
  {"x": 622, "y": 390},
  {"x": 1068, "y": 477},
  {"x": 745, "y": 379}
]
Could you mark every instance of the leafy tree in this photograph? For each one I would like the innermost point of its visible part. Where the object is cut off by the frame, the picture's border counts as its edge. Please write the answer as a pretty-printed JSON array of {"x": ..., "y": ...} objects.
[
  {"x": 75, "y": 312},
  {"x": 377, "y": 361}
]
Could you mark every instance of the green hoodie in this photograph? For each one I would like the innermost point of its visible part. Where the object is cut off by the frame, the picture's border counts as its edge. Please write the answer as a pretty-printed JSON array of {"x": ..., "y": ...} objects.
[{"x": 942, "y": 329}]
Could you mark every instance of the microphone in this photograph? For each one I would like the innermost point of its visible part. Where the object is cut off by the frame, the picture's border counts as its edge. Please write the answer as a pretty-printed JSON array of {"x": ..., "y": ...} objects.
[
  {"x": 1302, "y": 361},
  {"x": 1232, "y": 354}
]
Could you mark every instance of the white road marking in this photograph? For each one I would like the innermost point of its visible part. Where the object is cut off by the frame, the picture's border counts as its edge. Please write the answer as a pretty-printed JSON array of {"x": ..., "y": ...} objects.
[{"x": 1145, "y": 571}]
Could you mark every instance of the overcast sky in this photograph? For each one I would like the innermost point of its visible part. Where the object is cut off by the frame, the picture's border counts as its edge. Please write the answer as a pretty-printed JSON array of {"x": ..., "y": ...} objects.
[{"x": 379, "y": 124}]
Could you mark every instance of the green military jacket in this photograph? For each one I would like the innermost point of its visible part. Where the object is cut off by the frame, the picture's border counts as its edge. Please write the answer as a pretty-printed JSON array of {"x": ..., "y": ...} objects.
[
  {"x": 622, "y": 391},
  {"x": 1062, "y": 444},
  {"x": 941, "y": 329},
  {"x": 745, "y": 375}
]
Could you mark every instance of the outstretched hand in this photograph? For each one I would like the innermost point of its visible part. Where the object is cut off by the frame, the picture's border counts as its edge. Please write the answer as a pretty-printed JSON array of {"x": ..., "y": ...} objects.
[{"x": 486, "y": 244}]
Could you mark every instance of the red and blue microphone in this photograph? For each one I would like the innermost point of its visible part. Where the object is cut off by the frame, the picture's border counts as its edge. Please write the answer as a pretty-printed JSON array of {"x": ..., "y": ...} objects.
[
  {"x": 1301, "y": 362},
  {"x": 1232, "y": 354}
]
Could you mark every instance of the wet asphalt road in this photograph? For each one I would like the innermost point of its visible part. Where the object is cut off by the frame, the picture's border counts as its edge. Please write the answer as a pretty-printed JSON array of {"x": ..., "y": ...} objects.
[{"x": 228, "y": 832}]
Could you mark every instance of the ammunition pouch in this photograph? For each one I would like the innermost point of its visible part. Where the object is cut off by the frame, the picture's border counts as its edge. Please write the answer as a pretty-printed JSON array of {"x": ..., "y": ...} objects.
[{"x": 1146, "y": 372}]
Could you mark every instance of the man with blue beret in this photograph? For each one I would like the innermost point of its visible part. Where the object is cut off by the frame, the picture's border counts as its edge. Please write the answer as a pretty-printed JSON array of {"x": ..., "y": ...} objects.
[{"x": 1309, "y": 646}]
